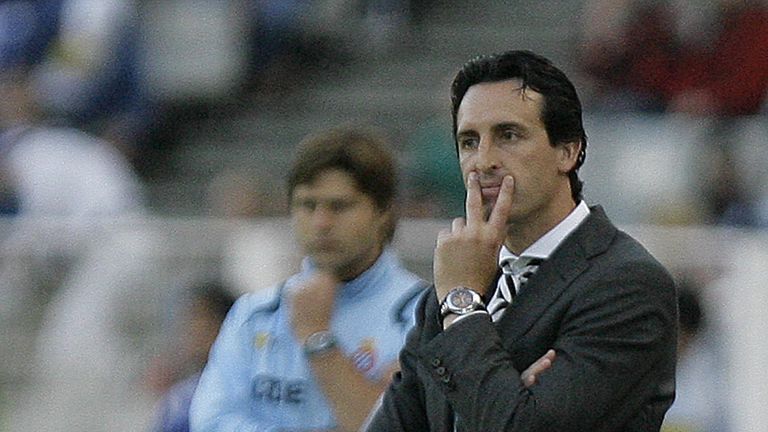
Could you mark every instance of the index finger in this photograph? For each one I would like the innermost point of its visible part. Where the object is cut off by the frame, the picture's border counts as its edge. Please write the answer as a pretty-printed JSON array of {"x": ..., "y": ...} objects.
[
  {"x": 503, "y": 207},
  {"x": 474, "y": 202}
]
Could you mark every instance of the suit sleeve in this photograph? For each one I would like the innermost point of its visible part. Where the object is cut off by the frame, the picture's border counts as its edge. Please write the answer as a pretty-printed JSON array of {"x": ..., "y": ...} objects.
[
  {"x": 611, "y": 342},
  {"x": 222, "y": 399},
  {"x": 402, "y": 407}
]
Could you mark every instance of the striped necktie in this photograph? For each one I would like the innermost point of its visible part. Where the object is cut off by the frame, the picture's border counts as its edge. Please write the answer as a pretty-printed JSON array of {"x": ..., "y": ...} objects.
[{"x": 515, "y": 273}]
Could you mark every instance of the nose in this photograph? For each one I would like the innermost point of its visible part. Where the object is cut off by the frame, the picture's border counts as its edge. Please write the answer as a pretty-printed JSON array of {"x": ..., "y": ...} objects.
[
  {"x": 322, "y": 218},
  {"x": 487, "y": 158}
]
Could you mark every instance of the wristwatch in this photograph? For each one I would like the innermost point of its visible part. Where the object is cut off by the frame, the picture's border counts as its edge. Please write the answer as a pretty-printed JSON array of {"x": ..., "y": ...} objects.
[
  {"x": 460, "y": 301},
  {"x": 319, "y": 342}
]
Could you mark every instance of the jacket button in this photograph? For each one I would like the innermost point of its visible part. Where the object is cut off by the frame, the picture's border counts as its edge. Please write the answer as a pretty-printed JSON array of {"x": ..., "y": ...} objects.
[
  {"x": 446, "y": 379},
  {"x": 435, "y": 362},
  {"x": 440, "y": 371}
]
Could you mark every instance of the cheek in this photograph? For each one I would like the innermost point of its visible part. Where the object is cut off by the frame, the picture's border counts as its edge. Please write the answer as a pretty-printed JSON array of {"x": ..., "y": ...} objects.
[
  {"x": 365, "y": 228},
  {"x": 465, "y": 165},
  {"x": 301, "y": 230},
  {"x": 533, "y": 164},
  {"x": 298, "y": 223}
]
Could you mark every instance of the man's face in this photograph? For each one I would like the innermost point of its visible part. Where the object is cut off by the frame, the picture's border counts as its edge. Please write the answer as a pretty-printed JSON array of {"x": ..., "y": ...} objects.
[
  {"x": 500, "y": 132},
  {"x": 337, "y": 225}
]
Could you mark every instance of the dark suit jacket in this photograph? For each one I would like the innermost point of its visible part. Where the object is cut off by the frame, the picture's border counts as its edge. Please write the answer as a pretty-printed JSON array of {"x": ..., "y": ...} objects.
[{"x": 601, "y": 301}]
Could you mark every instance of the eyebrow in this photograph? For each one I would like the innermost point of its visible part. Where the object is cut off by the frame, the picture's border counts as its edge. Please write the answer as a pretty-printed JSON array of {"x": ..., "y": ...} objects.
[
  {"x": 495, "y": 128},
  {"x": 510, "y": 125},
  {"x": 467, "y": 132},
  {"x": 326, "y": 199}
]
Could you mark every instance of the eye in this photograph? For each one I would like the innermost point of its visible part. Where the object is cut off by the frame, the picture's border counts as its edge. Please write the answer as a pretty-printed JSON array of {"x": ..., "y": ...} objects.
[
  {"x": 339, "y": 206},
  {"x": 308, "y": 205},
  {"x": 468, "y": 143},
  {"x": 510, "y": 134}
]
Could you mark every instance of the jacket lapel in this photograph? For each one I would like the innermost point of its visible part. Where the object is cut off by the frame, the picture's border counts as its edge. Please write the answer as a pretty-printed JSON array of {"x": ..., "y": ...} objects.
[{"x": 556, "y": 274}]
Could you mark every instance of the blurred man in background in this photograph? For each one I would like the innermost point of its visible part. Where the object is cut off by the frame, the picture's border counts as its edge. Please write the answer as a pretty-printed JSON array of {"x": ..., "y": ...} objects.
[{"x": 316, "y": 351}]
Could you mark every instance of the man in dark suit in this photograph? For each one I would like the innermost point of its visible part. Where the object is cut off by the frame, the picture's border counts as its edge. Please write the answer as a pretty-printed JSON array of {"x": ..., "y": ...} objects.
[{"x": 584, "y": 298}]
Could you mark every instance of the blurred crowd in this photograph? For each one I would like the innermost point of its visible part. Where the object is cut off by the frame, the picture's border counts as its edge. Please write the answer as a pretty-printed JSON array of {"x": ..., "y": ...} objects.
[
  {"x": 117, "y": 81},
  {"x": 677, "y": 56},
  {"x": 93, "y": 93},
  {"x": 702, "y": 62},
  {"x": 111, "y": 82}
]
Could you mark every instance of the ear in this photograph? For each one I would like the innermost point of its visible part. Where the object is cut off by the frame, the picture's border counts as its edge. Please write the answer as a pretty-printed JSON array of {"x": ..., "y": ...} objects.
[
  {"x": 568, "y": 155},
  {"x": 388, "y": 224}
]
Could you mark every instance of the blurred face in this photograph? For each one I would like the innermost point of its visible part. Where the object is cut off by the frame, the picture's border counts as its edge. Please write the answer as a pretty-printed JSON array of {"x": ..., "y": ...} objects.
[
  {"x": 337, "y": 225},
  {"x": 500, "y": 132}
]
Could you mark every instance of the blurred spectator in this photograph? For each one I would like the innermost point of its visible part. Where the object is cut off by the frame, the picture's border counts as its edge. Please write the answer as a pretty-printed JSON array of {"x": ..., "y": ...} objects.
[
  {"x": 63, "y": 176},
  {"x": 92, "y": 76},
  {"x": 629, "y": 48},
  {"x": 642, "y": 57},
  {"x": 699, "y": 405},
  {"x": 729, "y": 75},
  {"x": 101, "y": 327},
  {"x": 44, "y": 170},
  {"x": 27, "y": 28},
  {"x": 51, "y": 171},
  {"x": 59, "y": 171},
  {"x": 175, "y": 373},
  {"x": 729, "y": 202},
  {"x": 727, "y": 199}
]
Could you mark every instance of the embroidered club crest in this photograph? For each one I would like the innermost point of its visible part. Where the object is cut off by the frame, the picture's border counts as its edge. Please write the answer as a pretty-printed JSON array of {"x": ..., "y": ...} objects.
[{"x": 364, "y": 357}]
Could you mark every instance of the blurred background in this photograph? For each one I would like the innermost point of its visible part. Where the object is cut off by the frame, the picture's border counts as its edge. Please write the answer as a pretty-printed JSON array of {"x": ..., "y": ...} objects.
[{"x": 144, "y": 146}]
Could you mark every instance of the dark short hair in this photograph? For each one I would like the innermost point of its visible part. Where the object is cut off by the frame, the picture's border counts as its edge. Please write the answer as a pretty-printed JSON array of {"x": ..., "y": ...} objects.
[
  {"x": 360, "y": 152},
  {"x": 561, "y": 107}
]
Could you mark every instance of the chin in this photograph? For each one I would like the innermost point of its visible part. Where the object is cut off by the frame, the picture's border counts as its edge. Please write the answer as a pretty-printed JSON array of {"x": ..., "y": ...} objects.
[
  {"x": 486, "y": 214},
  {"x": 330, "y": 261},
  {"x": 487, "y": 209},
  {"x": 324, "y": 261}
]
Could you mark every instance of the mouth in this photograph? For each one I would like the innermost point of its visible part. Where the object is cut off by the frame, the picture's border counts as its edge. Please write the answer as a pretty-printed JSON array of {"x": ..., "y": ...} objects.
[
  {"x": 490, "y": 193},
  {"x": 323, "y": 246},
  {"x": 490, "y": 190}
]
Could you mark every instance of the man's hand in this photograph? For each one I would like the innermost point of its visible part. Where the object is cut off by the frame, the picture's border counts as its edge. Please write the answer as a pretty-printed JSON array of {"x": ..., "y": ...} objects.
[
  {"x": 312, "y": 305},
  {"x": 530, "y": 375},
  {"x": 467, "y": 254}
]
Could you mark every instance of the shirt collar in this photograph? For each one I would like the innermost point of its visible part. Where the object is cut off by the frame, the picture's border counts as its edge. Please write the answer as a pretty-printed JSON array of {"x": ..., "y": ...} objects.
[{"x": 546, "y": 244}]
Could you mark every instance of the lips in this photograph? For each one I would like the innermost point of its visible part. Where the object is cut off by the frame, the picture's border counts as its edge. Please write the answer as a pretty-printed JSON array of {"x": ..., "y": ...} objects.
[
  {"x": 324, "y": 245},
  {"x": 490, "y": 190}
]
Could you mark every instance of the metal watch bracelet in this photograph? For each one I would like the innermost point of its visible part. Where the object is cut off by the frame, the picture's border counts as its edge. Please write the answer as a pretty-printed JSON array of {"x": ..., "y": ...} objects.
[{"x": 318, "y": 343}]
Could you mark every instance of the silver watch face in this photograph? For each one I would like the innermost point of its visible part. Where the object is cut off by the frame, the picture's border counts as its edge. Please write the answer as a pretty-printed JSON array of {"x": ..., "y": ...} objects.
[
  {"x": 462, "y": 299},
  {"x": 319, "y": 341}
]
